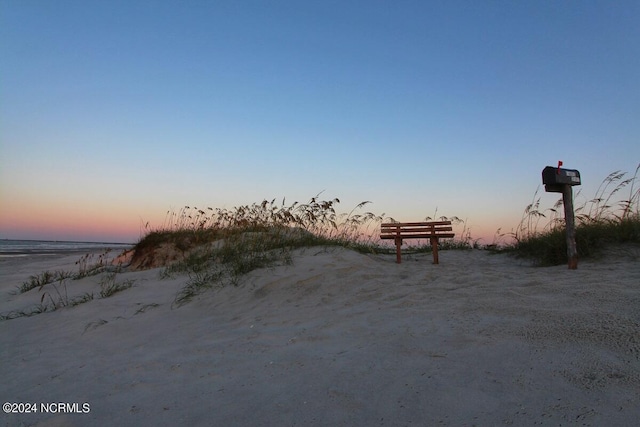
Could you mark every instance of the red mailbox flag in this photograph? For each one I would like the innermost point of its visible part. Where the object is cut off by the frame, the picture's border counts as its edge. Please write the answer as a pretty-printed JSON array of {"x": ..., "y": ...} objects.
[{"x": 559, "y": 164}]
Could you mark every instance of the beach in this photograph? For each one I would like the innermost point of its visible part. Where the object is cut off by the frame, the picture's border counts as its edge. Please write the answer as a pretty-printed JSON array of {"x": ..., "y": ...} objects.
[{"x": 336, "y": 338}]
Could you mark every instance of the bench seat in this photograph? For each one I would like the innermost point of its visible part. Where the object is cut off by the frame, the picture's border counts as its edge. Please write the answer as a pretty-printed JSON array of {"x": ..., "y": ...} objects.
[{"x": 432, "y": 230}]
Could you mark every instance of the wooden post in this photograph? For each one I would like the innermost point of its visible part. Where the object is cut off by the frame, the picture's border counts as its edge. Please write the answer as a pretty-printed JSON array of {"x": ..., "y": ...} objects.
[
  {"x": 434, "y": 247},
  {"x": 570, "y": 223},
  {"x": 398, "y": 241},
  {"x": 558, "y": 180}
]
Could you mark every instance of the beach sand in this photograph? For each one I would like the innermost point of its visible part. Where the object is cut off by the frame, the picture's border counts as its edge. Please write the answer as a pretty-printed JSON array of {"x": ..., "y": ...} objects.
[{"x": 337, "y": 338}]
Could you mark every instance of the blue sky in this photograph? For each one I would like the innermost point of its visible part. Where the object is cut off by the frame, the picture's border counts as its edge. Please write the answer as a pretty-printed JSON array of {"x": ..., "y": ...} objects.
[{"x": 113, "y": 112}]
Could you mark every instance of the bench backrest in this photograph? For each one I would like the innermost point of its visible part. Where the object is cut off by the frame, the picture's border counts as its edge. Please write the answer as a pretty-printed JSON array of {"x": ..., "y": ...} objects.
[{"x": 416, "y": 230}]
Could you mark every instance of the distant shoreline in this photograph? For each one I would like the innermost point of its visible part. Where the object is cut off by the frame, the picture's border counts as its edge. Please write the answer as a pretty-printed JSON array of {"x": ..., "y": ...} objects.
[
  {"x": 10, "y": 248},
  {"x": 65, "y": 241}
]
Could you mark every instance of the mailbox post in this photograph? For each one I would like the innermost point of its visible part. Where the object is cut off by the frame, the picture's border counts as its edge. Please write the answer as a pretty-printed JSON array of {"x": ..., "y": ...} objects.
[{"x": 558, "y": 180}]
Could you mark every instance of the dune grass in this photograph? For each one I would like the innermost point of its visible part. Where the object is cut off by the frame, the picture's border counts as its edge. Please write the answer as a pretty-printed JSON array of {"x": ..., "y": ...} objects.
[
  {"x": 52, "y": 285},
  {"x": 219, "y": 246},
  {"x": 601, "y": 221},
  {"x": 193, "y": 226},
  {"x": 109, "y": 286},
  {"x": 88, "y": 265}
]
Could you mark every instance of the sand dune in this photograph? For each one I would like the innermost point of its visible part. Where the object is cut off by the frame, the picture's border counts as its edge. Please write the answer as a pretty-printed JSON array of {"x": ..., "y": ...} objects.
[{"x": 337, "y": 338}]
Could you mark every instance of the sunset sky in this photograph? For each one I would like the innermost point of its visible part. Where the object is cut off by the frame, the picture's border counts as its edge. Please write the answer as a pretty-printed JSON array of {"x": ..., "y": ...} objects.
[{"x": 114, "y": 112}]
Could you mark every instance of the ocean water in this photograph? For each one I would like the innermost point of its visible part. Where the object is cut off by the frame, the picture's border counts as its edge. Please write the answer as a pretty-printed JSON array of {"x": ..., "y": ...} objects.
[{"x": 12, "y": 248}]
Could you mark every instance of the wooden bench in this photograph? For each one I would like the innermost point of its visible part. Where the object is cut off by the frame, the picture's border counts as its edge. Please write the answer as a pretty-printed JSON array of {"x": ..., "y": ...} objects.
[{"x": 433, "y": 231}]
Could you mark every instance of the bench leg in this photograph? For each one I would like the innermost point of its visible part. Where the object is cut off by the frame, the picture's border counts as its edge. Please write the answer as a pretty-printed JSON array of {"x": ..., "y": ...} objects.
[
  {"x": 398, "y": 250},
  {"x": 434, "y": 247}
]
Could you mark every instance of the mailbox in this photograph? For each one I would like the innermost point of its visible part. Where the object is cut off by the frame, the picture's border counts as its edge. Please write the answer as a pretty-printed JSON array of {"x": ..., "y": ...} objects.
[{"x": 555, "y": 178}]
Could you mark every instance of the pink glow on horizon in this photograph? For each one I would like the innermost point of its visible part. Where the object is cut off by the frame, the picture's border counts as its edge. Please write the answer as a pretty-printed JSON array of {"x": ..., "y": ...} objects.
[
  {"x": 124, "y": 226},
  {"x": 60, "y": 224},
  {"x": 45, "y": 218}
]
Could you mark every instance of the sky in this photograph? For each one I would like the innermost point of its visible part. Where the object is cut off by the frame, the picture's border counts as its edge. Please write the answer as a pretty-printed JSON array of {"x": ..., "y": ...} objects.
[{"x": 114, "y": 112}]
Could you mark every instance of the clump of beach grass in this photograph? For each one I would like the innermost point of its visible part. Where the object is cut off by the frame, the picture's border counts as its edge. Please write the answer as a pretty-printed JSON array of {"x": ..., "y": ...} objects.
[
  {"x": 53, "y": 285},
  {"x": 44, "y": 278},
  {"x": 109, "y": 286},
  {"x": 37, "y": 309},
  {"x": 58, "y": 297},
  {"x": 601, "y": 221},
  {"x": 88, "y": 265}
]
